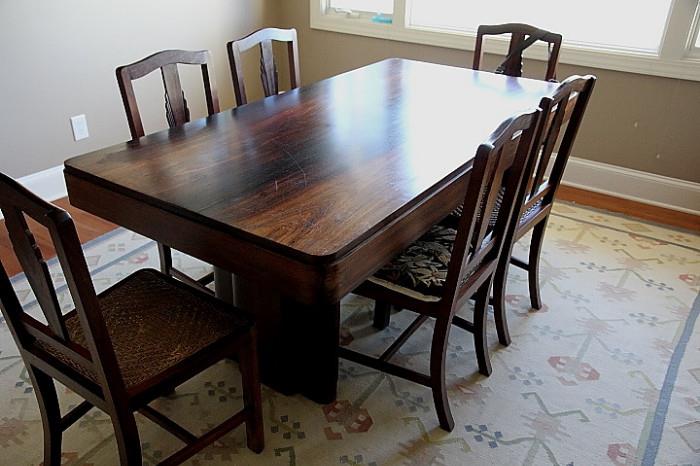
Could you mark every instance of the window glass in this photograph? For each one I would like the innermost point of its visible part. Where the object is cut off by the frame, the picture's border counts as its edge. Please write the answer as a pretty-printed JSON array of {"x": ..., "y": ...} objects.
[
  {"x": 617, "y": 24},
  {"x": 372, "y": 6}
]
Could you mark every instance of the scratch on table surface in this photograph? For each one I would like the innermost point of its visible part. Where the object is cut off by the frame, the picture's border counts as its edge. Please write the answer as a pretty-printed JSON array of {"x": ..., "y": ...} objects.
[{"x": 291, "y": 156}]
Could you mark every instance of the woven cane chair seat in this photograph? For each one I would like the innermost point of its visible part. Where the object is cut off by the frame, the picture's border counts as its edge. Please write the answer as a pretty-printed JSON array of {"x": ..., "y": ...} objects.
[
  {"x": 156, "y": 322},
  {"x": 452, "y": 219}
]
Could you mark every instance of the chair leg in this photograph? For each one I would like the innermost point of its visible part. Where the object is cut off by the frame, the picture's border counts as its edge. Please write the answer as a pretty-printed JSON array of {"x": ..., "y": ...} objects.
[
  {"x": 437, "y": 374},
  {"x": 382, "y": 315},
  {"x": 166, "y": 258},
  {"x": 480, "y": 342},
  {"x": 128, "y": 442},
  {"x": 499, "y": 299},
  {"x": 533, "y": 271},
  {"x": 50, "y": 415},
  {"x": 248, "y": 363}
]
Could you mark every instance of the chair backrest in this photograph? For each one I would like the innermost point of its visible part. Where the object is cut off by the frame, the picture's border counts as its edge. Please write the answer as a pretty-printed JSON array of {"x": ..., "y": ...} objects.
[
  {"x": 176, "y": 110},
  {"x": 562, "y": 116},
  {"x": 487, "y": 217},
  {"x": 50, "y": 347},
  {"x": 518, "y": 32},
  {"x": 268, "y": 66}
]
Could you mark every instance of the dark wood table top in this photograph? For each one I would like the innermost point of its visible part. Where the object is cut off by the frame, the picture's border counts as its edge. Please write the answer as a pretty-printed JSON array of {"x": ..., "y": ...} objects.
[{"x": 315, "y": 171}]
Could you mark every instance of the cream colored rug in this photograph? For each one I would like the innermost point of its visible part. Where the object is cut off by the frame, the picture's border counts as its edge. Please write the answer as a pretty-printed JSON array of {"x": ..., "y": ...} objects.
[{"x": 607, "y": 373}]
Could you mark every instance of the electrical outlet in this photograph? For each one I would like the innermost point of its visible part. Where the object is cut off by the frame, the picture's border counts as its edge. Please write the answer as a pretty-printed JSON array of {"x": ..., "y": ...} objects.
[{"x": 80, "y": 127}]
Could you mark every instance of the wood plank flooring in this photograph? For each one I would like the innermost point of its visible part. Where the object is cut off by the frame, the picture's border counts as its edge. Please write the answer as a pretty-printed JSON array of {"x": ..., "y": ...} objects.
[
  {"x": 90, "y": 227},
  {"x": 652, "y": 213}
]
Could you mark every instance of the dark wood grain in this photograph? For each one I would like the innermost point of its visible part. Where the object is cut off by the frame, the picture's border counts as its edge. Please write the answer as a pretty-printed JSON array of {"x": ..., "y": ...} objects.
[
  {"x": 513, "y": 66},
  {"x": 318, "y": 170},
  {"x": 311, "y": 191}
]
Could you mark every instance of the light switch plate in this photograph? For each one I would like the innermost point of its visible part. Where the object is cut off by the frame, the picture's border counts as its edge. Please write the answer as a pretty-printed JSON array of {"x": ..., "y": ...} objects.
[{"x": 80, "y": 127}]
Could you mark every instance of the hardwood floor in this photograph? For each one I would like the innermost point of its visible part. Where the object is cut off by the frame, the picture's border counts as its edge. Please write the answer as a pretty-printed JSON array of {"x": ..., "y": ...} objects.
[
  {"x": 648, "y": 212},
  {"x": 90, "y": 227}
]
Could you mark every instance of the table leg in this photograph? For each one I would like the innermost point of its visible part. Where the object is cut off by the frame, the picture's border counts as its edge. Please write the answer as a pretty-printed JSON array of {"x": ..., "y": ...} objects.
[
  {"x": 223, "y": 285},
  {"x": 276, "y": 358},
  {"x": 316, "y": 333},
  {"x": 297, "y": 343}
]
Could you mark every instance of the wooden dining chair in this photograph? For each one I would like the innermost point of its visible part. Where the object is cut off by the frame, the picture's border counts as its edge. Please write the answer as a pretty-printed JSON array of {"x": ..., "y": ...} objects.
[
  {"x": 123, "y": 348},
  {"x": 439, "y": 272},
  {"x": 176, "y": 113},
  {"x": 562, "y": 117},
  {"x": 268, "y": 65},
  {"x": 521, "y": 37}
]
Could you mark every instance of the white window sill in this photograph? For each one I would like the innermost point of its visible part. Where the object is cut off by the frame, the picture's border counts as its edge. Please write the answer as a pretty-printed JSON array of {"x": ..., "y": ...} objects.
[{"x": 618, "y": 60}]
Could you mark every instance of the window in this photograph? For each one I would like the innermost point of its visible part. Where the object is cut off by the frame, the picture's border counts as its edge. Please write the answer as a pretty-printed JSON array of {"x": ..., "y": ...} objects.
[
  {"x": 625, "y": 24},
  {"x": 656, "y": 37},
  {"x": 370, "y": 6},
  {"x": 697, "y": 28}
]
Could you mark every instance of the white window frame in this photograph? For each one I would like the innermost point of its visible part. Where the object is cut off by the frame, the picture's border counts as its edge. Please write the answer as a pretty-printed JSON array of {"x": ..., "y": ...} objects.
[
  {"x": 677, "y": 56},
  {"x": 693, "y": 50}
]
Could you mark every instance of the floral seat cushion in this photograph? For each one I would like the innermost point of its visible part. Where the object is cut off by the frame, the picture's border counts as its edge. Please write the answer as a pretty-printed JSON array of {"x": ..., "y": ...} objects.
[{"x": 420, "y": 270}]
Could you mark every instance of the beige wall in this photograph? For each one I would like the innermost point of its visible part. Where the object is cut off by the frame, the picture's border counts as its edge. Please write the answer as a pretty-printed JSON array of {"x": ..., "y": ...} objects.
[
  {"x": 636, "y": 121},
  {"x": 57, "y": 59}
]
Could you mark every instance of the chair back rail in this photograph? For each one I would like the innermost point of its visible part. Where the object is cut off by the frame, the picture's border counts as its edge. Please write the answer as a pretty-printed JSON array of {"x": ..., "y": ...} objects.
[
  {"x": 268, "y": 67},
  {"x": 518, "y": 32},
  {"x": 563, "y": 113},
  {"x": 45, "y": 341},
  {"x": 176, "y": 109},
  {"x": 498, "y": 170}
]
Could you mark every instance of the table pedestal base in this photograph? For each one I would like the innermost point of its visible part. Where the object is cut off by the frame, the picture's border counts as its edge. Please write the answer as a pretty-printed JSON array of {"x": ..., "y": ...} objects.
[{"x": 298, "y": 343}]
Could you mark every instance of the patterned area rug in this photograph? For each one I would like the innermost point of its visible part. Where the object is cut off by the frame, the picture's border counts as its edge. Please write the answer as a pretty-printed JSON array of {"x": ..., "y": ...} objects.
[{"x": 607, "y": 373}]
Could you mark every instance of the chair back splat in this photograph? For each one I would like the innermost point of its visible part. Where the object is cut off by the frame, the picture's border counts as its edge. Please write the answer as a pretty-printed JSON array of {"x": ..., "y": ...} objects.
[
  {"x": 521, "y": 37},
  {"x": 268, "y": 66},
  {"x": 562, "y": 120},
  {"x": 176, "y": 110}
]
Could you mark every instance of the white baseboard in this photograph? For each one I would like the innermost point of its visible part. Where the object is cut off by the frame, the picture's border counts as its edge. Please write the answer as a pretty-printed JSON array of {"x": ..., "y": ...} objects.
[
  {"x": 48, "y": 184},
  {"x": 635, "y": 185}
]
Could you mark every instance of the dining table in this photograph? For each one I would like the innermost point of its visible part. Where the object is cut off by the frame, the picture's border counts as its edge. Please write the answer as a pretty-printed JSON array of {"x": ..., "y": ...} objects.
[{"x": 304, "y": 195}]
